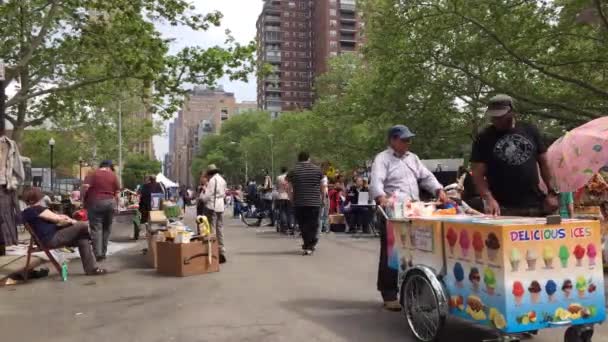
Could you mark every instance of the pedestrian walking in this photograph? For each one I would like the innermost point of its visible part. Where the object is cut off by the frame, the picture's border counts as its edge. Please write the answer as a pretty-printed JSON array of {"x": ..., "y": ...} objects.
[
  {"x": 267, "y": 196},
  {"x": 101, "y": 197},
  {"x": 305, "y": 180},
  {"x": 238, "y": 200},
  {"x": 214, "y": 198},
  {"x": 284, "y": 203},
  {"x": 324, "y": 216},
  {"x": 200, "y": 202}
]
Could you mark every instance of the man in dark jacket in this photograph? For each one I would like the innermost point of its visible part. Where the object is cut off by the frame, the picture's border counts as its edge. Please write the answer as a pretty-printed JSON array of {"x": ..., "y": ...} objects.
[{"x": 145, "y": 202}]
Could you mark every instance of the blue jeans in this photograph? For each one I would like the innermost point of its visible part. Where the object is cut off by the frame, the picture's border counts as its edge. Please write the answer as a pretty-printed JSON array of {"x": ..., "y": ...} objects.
[
  {"x": 323, "y": 218},
  {"x": 286, "y": 218},
  {"x": 236, "y": 210}
]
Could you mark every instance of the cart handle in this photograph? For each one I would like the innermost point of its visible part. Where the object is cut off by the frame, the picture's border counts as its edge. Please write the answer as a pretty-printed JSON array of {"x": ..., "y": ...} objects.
[
  {"x": 381, "y": 210},
  {"x": 561, "y": 323}
]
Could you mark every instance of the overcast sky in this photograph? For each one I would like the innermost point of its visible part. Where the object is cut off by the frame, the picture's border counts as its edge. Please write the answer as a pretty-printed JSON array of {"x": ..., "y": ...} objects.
[{"x": 239, "y": 17}]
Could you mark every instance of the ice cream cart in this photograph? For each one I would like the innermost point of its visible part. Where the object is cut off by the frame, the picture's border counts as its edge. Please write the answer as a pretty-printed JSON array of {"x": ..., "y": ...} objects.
[{"x": 515, "y": 275}]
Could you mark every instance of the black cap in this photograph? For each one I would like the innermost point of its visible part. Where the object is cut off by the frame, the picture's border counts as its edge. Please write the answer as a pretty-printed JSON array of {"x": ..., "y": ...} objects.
[{"x": 499, "y": 105}]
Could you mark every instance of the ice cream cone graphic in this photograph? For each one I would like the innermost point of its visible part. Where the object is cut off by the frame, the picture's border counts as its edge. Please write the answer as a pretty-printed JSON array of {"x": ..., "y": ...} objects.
[
  {"x": 531, "y": 257},
  {"x": 478, "y": 246},
  {"x": 515, "y": 259},
  {"x": 515, "y": 265},
  {"x": 492, "y": 246},
  {"x": 465, "y": 243},
  {"x": 518, "y": 292},
  {"x": 489, "y": 278},
  {"x": 564, "y": 255},
  {"x": 452, "y": 237},
  {"x": 581, "y": 286},
  {"x": 551, "y": 288},
  {"x": 567, "y": 288},
  {"x": 591, "y": 254},
  {"x": 535, "y": 291},
  {"x": 579, "y": 253},
  {"x": 548, "y": 256}
]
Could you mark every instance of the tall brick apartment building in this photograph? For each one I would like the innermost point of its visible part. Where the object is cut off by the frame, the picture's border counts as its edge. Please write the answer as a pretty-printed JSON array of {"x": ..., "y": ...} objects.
[{"x": 296, "y": 38}]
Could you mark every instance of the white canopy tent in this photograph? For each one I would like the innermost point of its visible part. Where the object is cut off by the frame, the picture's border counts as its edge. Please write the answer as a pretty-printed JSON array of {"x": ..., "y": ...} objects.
[{"x": 166, "y": 181}]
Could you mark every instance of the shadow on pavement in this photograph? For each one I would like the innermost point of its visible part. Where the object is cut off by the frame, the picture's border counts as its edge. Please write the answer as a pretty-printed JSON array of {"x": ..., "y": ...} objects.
[
  {"x": 270, "y": 253},
  {"x": 367, "y": 321}
]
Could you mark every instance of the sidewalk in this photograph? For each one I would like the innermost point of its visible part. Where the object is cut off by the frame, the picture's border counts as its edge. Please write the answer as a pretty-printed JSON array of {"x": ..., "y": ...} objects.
[{"x": 13, "y": 264}]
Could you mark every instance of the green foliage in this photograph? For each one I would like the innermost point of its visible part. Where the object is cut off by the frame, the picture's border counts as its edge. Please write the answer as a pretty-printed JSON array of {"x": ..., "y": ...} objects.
[
  {"x": 35, "y": 145},
  {"x": 136, "y": 168},
  {"x": 65, "y": 54},
  {"x": 432, "y": 65}
]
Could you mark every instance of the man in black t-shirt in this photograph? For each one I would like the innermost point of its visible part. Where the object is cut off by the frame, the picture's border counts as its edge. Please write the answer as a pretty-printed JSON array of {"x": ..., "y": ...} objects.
[{"x": 506, "y": 157}]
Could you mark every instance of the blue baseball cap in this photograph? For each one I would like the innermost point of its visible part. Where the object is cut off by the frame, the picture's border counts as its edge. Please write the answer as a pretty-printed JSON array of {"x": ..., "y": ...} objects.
[
  {"x": 401, "y": 132},
  {"x": 106, "y": 163}
]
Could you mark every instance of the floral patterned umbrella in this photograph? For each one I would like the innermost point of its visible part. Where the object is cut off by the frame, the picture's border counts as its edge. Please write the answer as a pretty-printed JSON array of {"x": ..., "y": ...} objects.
[{"x": 578, "y": 155}]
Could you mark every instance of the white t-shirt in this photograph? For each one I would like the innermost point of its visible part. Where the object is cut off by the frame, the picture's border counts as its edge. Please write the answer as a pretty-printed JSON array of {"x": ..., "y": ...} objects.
[{"x": 282, "y": 187}]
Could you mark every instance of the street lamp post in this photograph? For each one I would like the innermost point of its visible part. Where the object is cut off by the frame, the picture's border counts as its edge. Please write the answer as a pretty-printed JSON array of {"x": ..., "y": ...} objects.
[
  {"x": 80, "y": 168},
  {"x": 52, "y": 146},
  {"x": 2, "y": 98},
  {"x": 246, "y": 163},
  {"x": 271, "y": 156},
  {"x": 120, "y": 142}
]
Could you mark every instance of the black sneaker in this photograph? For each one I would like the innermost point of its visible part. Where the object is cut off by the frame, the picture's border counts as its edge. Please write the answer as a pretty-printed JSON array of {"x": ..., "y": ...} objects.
[
  {"x": 223, "y": 259},
  {"x": 307, "y": 252}
]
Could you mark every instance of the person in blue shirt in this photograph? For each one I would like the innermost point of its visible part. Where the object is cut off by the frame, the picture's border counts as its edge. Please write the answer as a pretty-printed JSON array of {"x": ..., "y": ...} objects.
[{"x": 56, "y": 231}]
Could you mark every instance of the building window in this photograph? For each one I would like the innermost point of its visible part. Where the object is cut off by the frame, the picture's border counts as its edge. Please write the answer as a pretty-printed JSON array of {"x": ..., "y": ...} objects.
[
  {"x": 292, "y": 4},
  {"x": 333, "y": 23},
  {"x": 333, "y": 53},
  {"x": 333, "y": 45},
  {"x": 302, "y": 35},
  {"x": 333, "y": 33},
  {"x": 333, "y": 12}
]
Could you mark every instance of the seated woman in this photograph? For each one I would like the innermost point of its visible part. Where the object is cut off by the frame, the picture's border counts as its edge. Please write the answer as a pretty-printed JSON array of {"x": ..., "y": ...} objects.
[{"x": 55, "y": 231}]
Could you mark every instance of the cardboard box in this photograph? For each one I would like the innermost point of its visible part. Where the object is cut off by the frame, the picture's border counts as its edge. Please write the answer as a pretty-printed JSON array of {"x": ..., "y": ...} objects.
[
  {"x": 157, "y": 216},
  {"x": 337, "y": 219},
  {"x": 186, "y": 259},
  {"x": 152, "y": 254}
]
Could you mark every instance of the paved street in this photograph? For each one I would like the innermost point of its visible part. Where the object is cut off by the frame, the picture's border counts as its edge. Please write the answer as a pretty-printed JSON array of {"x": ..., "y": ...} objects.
[{"x": 266, "y": 292}]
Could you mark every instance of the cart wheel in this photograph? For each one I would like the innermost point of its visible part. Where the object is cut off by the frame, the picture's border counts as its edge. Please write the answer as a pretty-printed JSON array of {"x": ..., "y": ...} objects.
[
  {"x": 421, "y": 307},
  {"x": 578, "y": 334}
]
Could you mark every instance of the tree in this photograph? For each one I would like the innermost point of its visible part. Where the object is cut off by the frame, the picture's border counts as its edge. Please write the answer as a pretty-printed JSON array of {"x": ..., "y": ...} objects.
[
  {"x": 136, "y": 168},
  {"x": 55, "y": 48},
  {"x": 539, "y": 52}
]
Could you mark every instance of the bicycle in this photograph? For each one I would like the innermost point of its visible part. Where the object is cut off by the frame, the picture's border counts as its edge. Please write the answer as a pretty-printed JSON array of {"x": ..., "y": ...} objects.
[{"x": 252, "y": 216}]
